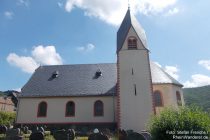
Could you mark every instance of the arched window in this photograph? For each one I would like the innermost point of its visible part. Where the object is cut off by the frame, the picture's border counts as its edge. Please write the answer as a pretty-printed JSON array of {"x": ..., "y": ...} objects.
[
  {"x": 132, "y": 43},
  {"x": 178, "y": 98},
  {"x": 70, "y": 109},
  {"x": 158, "y": 99},
  {"x": 98, "y": 108},
  {"x": 42, "y": 109}
]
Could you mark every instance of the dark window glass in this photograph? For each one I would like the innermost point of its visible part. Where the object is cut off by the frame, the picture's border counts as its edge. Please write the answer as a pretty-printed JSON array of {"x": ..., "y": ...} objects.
[
  {"x": 70, "y": 109},
  {"x": 132, "y": 43},
  {"x": 98, "y": 108},
  {"x": 158, "y": 99},
  {"x": 178, "y": 98},
  {"x": 42, "y": 109}
]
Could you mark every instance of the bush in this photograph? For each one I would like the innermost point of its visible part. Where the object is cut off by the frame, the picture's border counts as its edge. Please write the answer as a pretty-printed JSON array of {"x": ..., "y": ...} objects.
[
  {"x": 49, "y": 137},
  {"x": 2, "y": 137},
  {"x": 47, "y": 133},
  {"x": 26, "y": 136},
  {"x": 177, "y": 123},
  {"x": 7, "y": 118}
]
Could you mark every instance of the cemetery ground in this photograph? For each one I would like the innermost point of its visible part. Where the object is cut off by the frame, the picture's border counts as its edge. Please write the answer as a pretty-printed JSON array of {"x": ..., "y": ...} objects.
[
  {"x": 50, "y": 137},
  {"x": 184, "y": 119}
]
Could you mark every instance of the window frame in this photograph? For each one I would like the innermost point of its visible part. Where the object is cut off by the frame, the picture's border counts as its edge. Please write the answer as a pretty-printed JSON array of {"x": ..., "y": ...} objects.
[
  {"x": 38, "y": 110},
  {"x": 161, "y": 98},
  {"x": 67, "y": 115},
  {"x": 178, "y": 98},
  {"x": 130, "y": 44},
  {"x": 94, "y": 109}
]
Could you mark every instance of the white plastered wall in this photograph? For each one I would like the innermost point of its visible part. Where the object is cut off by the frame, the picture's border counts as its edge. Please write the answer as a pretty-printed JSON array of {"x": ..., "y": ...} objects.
[
  {"x": 135, "y": 110},
  {"x": 84, "y": 112},
  {"x": 169, "y": 98}
]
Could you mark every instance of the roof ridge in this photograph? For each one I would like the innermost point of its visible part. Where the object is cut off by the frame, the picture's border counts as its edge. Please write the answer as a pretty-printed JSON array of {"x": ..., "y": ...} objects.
[{"x": 76, "y": 64}]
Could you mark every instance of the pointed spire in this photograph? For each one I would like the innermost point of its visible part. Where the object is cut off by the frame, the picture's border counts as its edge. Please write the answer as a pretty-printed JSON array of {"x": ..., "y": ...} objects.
[
  {"x": 128, "y": 4},
  {"x": 128, "y": 22}
]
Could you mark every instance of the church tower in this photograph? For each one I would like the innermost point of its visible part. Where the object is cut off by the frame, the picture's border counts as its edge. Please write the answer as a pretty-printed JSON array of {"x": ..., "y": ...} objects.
[{"x": 134, "y": 89}]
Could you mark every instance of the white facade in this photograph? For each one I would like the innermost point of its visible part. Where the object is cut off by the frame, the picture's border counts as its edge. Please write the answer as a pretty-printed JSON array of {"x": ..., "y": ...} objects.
[
  {"x": 168, "y": 94},
  {"x": 84, "y": 110},
  {"x": 28, "y": 107},
  {"x": 135, "y": 89}
]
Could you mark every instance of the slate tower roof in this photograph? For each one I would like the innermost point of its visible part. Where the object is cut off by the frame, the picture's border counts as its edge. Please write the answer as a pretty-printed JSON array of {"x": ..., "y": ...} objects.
[{"x": 128, "y": 22}]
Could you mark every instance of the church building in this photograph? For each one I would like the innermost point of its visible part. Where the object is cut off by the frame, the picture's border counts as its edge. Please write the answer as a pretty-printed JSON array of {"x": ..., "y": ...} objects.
[{"x": 112, "y": 95}]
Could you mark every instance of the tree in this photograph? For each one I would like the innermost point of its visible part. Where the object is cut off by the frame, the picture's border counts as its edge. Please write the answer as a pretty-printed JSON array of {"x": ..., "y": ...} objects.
[
  {"x": 173, "y": 123},
  {"x": 7, "y": 118}
]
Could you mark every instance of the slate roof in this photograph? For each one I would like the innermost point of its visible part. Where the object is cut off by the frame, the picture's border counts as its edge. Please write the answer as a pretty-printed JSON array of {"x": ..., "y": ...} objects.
[
  {"x": 159, "y": 76},
  {"x": 72, "y": 80},
  {"x": 80, "y": 80},
  {"x": 128, "y": 22}
]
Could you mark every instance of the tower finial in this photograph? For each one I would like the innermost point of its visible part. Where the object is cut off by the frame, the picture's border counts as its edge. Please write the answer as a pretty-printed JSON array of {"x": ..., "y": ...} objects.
[{"x": 128, "y": 4}]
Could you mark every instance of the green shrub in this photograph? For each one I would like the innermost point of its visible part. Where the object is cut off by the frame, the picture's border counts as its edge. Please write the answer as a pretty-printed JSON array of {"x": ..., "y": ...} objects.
[
  {"x": 26, "y": 135},
  {"x": 177, "y": 123},
  {"x": 47, "y": 133},
  {"x": 49, "y": 137},
  {"x": 7, "y": 118},
  {"x": 2, "y": 137}
]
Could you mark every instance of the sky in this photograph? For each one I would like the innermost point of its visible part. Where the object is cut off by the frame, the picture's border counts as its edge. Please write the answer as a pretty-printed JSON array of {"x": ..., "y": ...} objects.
[{"x": 55, "y": 32}]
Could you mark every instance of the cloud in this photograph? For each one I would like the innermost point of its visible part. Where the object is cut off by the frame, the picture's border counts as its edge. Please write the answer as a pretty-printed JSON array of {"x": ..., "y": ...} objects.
[
  {"x": 110, "y": 11},
  {"x": 60, "y": 4},
  {"x": 46, "y": 55},
  {"x": 26, "y": 64},
  {"x": 9, "y": 14},
  {"x": 23, "y": 3},
  {"x": 154, "y": 7},
  {"x": 173, "y": 71},
  {"x": 113, "y": 11},
  {"x": 157, "y": 64},
  {"x": 197, "y": 80},
  {"x": 40, "y": 56},
  {"x": 17, "y": 89},
  {"x": 172, "y": 12},
  {"x": 205, "y": 64},
  {"x": 89, "y": 47}
]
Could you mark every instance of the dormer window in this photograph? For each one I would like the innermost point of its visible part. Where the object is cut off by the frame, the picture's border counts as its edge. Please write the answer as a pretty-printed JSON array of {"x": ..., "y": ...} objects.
[
  {"x": 98, "y": 73},
  {"x": 55, "y": 74},
  {"x": 132, "y": 43}
]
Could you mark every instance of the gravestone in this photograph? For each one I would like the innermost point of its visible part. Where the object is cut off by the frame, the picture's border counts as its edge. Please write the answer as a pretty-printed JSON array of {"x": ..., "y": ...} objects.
[
  {"x": 107, "y": 132},
  {"x": 37, "y": 136},
  {"x": 35, "y": 129},
  {"x": 146, "y": 135},
  {"x": 60, "y": 135},
  {"x": 122, "y": 135},
  {"x": 13, "y": 134},
  {"x": 25, "y": 129},
  {"x": 70, "y": 134},
  {"x": 3, "y": 129},
  {"x": 98, "y": 136},
  {"x": 41, "y": 129},
  {"x": 135, "y": 136}
]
